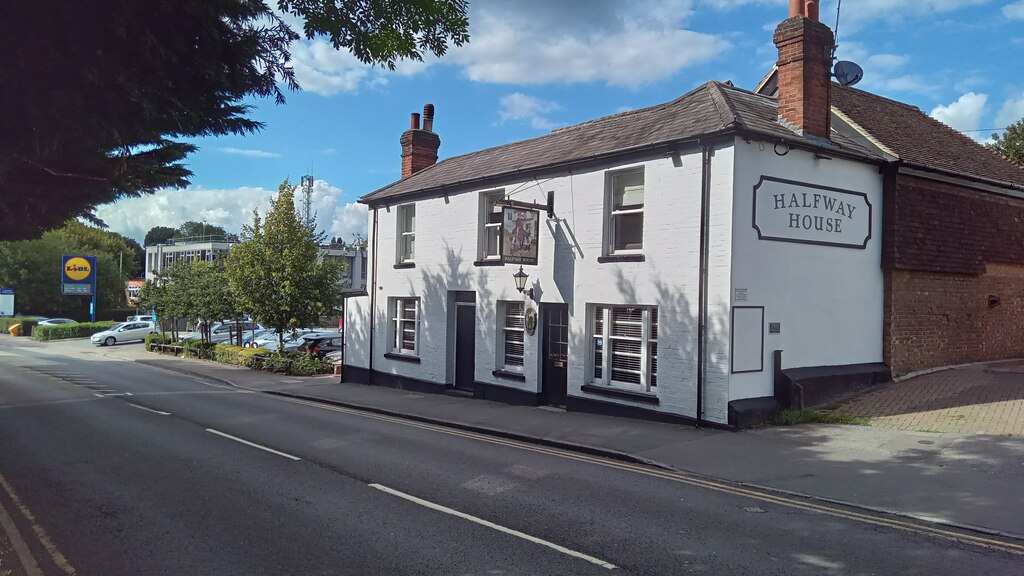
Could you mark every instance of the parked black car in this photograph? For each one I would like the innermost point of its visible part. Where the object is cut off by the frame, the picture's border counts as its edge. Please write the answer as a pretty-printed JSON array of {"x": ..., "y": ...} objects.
[{"x": 320, "y": 344}]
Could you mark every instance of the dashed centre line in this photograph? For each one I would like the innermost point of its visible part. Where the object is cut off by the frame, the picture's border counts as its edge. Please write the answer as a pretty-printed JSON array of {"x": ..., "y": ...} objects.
[{"x": 253, "y": 444}]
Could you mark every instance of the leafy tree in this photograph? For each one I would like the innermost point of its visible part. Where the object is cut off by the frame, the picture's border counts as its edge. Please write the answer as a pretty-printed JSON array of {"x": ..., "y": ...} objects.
[
  {"x": 277, "y": 273},
  {"x": 106, "y": 112},
  {"x": 1011, "y": 143},
  {"x": 32, "y": 268},
  {"x": 158, "y": 235},
  {"x": 193, "y": 229}
]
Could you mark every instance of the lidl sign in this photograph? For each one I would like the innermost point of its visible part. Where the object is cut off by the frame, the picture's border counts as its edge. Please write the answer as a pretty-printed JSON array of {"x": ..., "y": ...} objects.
[{"x": 78, "y": 269}]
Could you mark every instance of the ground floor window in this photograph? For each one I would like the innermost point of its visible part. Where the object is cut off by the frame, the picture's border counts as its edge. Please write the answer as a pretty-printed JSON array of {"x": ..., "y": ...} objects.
[
  {"x": 512, "y": 334},
  {"x": 404, "y": 314},
  {"x": 625, "y": 346}
]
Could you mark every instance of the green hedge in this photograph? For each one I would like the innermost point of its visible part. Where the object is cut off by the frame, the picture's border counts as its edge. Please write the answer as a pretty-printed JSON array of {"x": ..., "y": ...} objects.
[
  {"x": 28, "y": 325},
  {"x": 197, "y": 349},
  {"x": 6, "y": 323},
  {"x": 294, "y": 363},
  {"x": 237, "y": 355},
  {"x": 61, "y": 331},
  {"x": 154, "y": 339}
]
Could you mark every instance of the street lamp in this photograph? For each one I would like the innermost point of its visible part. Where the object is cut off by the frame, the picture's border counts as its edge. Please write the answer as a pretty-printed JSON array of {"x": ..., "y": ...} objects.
[{"x": 520, "y": 278}]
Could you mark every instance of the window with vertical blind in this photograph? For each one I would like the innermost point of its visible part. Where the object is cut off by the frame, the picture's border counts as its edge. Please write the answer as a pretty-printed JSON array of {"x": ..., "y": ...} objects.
[
  {"x": 513, "y": 335},
  {"x": 406, "y": 233},
  {"x": 624, "y": 343},
  {"x": 405, "y": 325}
]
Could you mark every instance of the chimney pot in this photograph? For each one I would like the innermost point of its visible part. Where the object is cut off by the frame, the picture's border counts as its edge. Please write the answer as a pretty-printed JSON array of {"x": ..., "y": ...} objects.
[
  {"x": 414, "y": 121},
  {"x": 428, "y": 117},
  {"x": 805, "y": 8}
]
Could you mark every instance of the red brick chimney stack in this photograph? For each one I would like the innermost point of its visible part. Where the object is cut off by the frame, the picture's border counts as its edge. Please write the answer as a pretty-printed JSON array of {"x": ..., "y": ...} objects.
[
  {"x": 419, "y": 146},
  {"x": 805, "y": 69}
]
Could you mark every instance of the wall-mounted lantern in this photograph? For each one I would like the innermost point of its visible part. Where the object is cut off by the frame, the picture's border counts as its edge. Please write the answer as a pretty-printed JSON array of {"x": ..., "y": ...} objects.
[{"x": 521, "y": 278}]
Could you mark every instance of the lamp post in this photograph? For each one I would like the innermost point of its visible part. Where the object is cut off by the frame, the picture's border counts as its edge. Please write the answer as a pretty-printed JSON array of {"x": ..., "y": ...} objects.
[{"x": 521, "y": 277}]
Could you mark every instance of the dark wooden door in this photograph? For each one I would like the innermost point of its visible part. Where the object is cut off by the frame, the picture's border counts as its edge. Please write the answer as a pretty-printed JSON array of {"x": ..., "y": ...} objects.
[
  {"x": 555, "y": 350},
  {"x": 465, "y": 345}
]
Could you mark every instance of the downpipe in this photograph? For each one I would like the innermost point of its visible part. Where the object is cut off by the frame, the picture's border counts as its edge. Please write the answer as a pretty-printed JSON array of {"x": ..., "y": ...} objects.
[{"x": 702, "y": 290}]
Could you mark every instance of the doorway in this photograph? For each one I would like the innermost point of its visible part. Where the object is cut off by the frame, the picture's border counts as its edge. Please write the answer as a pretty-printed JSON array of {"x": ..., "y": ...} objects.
[
  {"x": 465, "y": 340},
  {"x": 555, "y": 350}
]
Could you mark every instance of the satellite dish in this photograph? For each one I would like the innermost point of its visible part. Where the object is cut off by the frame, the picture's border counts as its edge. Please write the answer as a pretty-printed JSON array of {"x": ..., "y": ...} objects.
[{"x": 847, "y": 73}]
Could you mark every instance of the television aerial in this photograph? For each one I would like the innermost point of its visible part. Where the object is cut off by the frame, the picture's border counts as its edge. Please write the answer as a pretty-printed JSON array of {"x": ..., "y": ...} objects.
[{"x": 847, "y": 73}]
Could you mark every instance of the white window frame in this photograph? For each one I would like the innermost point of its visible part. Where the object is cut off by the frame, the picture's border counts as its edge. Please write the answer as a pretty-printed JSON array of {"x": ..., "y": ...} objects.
[
  {"x": 611, "y": 213},
  {"x": 404, "y": 234},
  {"x": 603, "y": 375},
  {"x": 505, "y": 332},
  {"x": 487, "y": 199},
  {"x": 396, "y": 309}
]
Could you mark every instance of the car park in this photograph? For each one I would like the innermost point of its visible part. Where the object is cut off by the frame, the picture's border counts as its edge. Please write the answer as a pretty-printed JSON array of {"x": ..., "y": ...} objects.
[
  {"x": 322, "y": 343},
  {"x": 124, "y": 332},
  {"x": 223, "y": 332},
  {"x": 142, "y": 318}
]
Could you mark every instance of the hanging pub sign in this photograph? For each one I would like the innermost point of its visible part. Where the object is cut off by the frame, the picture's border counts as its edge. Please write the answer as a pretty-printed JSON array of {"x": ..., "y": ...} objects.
[
  {"x": 790, "y": 211},
  {"x": 519, "y": 230}
]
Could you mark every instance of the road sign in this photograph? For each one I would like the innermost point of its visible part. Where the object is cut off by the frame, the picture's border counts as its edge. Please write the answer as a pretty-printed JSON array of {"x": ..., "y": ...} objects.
[
  {"x": 78, "y": 278},
  {"x": 6, "y": 301}
]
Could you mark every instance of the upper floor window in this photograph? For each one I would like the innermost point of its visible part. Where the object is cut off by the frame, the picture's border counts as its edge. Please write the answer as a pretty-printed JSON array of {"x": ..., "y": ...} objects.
[
  {"x": 625, "y": 223},
  {"x": 407, "y": 233},
  {"x": 490, "y": 225}
]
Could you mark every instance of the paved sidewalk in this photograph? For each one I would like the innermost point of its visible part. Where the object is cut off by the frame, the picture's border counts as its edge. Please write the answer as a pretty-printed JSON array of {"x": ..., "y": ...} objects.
[
  {"x": 960, "y": 479},
  {"x": 977, "y": 399}
]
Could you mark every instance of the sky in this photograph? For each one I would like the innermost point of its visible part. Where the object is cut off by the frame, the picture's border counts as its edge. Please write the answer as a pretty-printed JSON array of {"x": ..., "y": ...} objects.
[{"x": 535, "y": 65}]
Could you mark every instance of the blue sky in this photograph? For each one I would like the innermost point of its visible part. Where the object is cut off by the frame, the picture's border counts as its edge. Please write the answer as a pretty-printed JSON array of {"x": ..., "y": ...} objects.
[{"x": 533, "y": 65}]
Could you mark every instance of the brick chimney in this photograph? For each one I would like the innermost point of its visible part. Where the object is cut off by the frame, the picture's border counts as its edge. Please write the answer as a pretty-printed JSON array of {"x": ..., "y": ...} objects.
[
  {"x": 805, "y": 69},
  {"x": 419, "y": 146}
]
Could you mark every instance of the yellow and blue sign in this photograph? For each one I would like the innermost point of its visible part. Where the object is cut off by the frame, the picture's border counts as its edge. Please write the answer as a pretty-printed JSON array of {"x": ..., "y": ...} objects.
[
  {"x": 79, "y": 269},
  {"x": 78, "y": 278}
]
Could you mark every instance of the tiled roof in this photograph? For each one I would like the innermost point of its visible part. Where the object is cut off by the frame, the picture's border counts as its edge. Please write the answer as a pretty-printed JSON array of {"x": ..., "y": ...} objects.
[
  {"x": 921, "y": 141},
  {"x": 709, "y": 109}
]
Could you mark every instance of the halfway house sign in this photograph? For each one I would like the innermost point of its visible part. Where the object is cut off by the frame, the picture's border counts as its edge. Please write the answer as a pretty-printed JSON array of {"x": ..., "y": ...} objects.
[
  {"x": 519, "y": 235},
  {"x": 790, "y": 211}
]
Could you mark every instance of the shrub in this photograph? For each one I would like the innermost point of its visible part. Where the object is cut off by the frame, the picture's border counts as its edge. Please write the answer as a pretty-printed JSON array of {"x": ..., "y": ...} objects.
[
  {"x": 152, "y": 340},
  {"x": 61, "y": 331},
  {"x": 308, "y": 365},
  {"x": 198, "y": 349},
  {"x": 237, "y": 355},
  {"x": 28, "y": 325},
  {"x": 6, "y": 323}
]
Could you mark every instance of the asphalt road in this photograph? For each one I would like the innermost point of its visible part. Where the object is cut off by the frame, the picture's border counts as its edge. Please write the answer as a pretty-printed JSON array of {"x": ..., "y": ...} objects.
[{"x": 108, "y": 467}]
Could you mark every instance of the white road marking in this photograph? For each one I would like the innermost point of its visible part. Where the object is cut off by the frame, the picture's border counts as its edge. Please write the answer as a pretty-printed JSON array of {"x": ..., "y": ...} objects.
[
  {"x": 98, "y": 395},
  {"x": 149, "y": 409},
  {"x": 254, "y": 445},
  {"x": 55, "y": 554},
  {"x": 494, "y": 526},
  {"x": 18, "y": 543}
]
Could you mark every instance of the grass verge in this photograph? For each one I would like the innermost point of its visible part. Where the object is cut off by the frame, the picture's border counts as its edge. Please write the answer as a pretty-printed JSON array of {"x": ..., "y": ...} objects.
[{"x": 793, "y": 417}]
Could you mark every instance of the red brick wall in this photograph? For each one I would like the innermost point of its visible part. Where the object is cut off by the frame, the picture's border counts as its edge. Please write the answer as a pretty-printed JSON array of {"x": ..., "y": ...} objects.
[
  {"x": 950, "y": 249},
  {"x": 805, "y": 74}
]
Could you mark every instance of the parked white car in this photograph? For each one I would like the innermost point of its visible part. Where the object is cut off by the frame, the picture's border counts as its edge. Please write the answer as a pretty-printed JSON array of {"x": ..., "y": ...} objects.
[
  {"x": 124, "y": 332},
  {"x": 57, "y": 321}
]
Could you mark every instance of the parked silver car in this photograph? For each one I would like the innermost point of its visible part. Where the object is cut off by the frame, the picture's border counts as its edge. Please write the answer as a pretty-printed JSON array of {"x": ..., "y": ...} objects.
[
  {"x": 123, "y": 332},
  {"x": 222, "y": 332}
]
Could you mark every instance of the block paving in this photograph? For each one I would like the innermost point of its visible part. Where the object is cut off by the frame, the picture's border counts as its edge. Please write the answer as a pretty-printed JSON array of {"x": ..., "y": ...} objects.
[{"x": 977, "y": 399}]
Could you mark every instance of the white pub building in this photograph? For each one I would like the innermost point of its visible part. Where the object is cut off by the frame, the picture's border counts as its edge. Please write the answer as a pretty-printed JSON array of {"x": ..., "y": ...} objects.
[{"x": 709, "y": 259}]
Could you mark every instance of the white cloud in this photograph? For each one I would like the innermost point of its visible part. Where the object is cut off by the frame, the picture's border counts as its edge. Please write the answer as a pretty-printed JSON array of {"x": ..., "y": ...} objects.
[
  {"x": 964, "y": 114},
  {"x": 540, "y": 41},
  {"x": 322, "y": 69},
  {"x": 520, "y": 107},
  {"x": 1014, "y": 11},
  {"x": 250, "y": 152},
  {"x": 229, "y": 208},
  {"x": 1011, "y": 111}
]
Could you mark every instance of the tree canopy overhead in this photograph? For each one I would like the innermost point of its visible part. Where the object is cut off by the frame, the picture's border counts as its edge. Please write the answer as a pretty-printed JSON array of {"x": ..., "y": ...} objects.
[
  {"x": 109, "y": 93},
  {"x": 1011, "y": 142}
]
